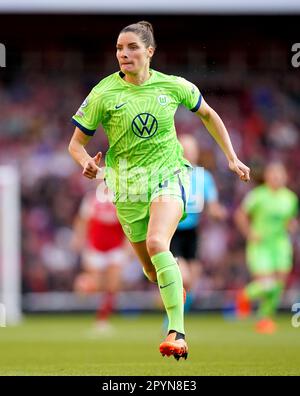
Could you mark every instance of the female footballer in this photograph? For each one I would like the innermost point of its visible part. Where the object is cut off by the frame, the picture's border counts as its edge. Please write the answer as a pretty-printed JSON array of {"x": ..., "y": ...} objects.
[{"x": 145, "y": 166}]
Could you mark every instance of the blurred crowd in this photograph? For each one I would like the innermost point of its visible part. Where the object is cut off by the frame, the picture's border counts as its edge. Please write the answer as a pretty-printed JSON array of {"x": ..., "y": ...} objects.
[{"x": 262, "y": 117}]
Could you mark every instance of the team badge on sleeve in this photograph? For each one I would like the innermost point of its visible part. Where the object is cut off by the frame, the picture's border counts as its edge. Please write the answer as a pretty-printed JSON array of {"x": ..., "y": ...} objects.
[
  {"x": 79, "y": 113},
  {"x": 84, "y": 103}
]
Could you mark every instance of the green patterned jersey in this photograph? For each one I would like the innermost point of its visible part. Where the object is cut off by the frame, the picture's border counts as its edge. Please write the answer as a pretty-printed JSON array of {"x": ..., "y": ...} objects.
[
  {"x": 270, "y": 211},
  {"x": 139, "y": 123}
]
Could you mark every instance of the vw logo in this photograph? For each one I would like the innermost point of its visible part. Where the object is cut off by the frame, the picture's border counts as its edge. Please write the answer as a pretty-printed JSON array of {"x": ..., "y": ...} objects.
[{"x": 144, "y": 125}]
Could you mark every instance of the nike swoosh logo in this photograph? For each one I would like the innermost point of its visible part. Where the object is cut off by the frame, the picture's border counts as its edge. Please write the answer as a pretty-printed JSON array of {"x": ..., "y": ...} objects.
[
  {"x": 119, "y": 106},
  {"x": 162, "y": 287}
]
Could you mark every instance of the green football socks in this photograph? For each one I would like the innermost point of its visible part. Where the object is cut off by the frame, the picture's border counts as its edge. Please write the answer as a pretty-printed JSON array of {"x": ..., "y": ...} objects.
[
  {"x": 171, "y": 288},
  {"x": 268, "y": 294},
  {"x": 271, "y": 300},
  {"x": 255, "y": 290}
]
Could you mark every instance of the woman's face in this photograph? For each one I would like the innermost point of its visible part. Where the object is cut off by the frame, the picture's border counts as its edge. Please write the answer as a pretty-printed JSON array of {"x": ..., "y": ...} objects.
[
  {"x": 276, "y": 176},
  {"x": 132, "y": 54}
]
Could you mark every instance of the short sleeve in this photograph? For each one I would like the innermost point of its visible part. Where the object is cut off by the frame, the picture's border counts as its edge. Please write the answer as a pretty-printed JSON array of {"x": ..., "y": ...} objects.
[
  {"x": 189, "y": 94},
  {"x": 210, "y": 188},
  {"x": 89, "y": 115}
]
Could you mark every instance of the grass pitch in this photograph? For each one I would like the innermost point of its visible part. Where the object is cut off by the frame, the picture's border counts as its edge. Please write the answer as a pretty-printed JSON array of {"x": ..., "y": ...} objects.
[{"x": 68, "y": 345}]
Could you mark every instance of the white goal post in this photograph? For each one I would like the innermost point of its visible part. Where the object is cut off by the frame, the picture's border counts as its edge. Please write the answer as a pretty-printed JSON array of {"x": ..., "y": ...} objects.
[{"x": 10, "y": 245}]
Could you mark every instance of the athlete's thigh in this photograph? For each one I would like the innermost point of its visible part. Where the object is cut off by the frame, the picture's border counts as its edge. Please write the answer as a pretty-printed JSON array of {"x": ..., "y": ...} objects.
[
  {"x": 175, "y": 187},
  {"x": 164, "y": 217},
  {"x": 260, "y": 259},
  {"x": 283, "y": 256}
]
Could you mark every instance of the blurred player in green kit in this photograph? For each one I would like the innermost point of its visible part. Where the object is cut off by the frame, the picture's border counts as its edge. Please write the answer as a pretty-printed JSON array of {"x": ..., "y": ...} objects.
[
  {"x": 145, "y": 167},
  {"x": 266, "y": 215}
]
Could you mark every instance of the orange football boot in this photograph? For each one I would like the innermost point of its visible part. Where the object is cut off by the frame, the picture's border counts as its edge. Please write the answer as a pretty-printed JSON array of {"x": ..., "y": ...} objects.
[
  {"x": 174, "y": 347},
  {"x": 265, "y": 326}
]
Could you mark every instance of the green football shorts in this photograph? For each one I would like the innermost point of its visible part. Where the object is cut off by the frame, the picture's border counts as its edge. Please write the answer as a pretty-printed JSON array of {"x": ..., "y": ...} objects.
[
  {"x": 269, "y": 257},
  {"x": 134, "y": 213}
]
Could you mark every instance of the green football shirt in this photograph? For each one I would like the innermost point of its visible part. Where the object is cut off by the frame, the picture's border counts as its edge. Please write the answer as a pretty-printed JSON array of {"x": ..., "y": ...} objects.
[
  {"x": 270, "y": 211},
  {"x": 139, "y": 123}
]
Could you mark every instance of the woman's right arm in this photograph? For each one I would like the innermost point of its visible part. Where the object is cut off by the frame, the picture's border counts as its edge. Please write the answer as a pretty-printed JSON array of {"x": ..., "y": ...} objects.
[
  {"x": 78, "y": 152},
  {"x": 243, "y": 223},
  {"x": 217, "y": 129}
]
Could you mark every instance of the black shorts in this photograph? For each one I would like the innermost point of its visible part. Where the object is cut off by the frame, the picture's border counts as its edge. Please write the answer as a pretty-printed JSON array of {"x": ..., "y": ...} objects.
[{"x": 184, "y": 244}]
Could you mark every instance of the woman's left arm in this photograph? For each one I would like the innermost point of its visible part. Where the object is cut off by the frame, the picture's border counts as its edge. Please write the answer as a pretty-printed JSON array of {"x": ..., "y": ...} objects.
[{"x": 217, "y": 129}]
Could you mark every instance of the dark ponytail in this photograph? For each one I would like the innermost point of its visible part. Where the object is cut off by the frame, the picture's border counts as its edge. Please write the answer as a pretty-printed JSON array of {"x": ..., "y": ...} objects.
[{"x": 144, "y": 30}]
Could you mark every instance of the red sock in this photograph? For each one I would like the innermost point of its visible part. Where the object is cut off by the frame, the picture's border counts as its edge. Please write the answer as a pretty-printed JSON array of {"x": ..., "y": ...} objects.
[{"x": 105, "y": 309}]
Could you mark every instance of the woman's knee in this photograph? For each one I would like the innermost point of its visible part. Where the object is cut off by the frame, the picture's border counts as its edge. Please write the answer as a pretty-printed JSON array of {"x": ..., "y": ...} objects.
[{"x": 156, "y": 244}]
